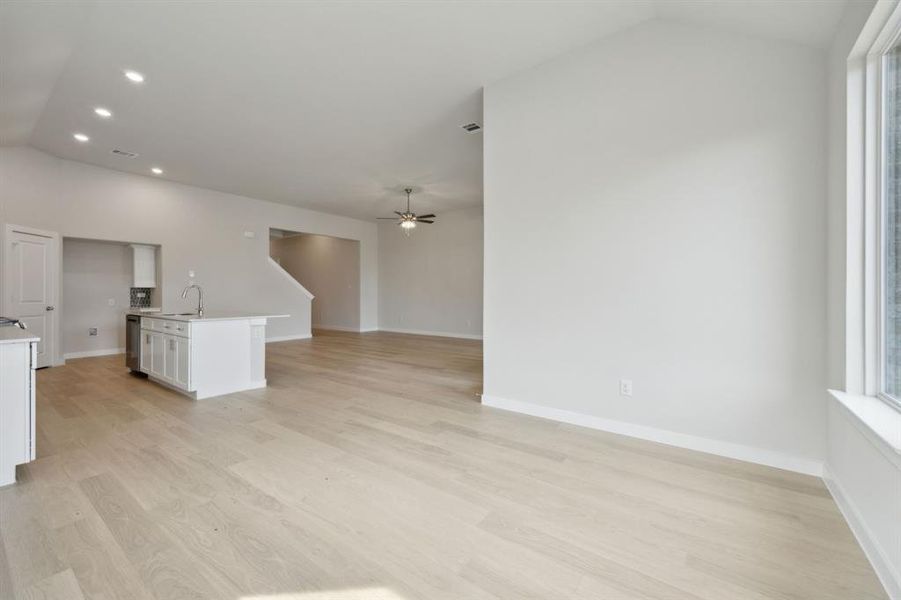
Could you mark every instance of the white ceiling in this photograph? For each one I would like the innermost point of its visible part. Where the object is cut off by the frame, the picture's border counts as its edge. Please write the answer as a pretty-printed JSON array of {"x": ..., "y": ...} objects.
[{"x": 335, "y": 106}]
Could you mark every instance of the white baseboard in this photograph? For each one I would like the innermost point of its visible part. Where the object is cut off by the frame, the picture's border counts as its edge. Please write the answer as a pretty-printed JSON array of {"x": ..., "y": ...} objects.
[
  {"x": 887, "y": 573},
  {"x": 750, "y": 454},
  {"x": 464, "y": 336},
  {"x": 288, "y": 338},
  {"x": 337, "y": 328},
  {"x": 90, "y": 353}
]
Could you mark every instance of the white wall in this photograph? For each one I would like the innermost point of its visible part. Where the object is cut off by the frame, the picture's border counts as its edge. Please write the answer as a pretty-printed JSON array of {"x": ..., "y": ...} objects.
[
  {"x": 431, "y": 282},
  {"x": 329, "y": 268},
  {"x": 197, "y": 229},
  {"x": 655, "y": 211},
  {"x": 94, "y": 273}
]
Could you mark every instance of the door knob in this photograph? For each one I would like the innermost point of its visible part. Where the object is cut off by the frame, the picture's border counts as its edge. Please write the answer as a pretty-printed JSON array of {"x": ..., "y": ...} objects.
[{"x": 49, "y": 308}]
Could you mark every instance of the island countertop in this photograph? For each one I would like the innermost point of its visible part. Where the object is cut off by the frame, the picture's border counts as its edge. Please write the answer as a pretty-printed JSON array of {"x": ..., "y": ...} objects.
[
  {"x": 14, "y": 335},
  {"x": 212, "y": 316}
]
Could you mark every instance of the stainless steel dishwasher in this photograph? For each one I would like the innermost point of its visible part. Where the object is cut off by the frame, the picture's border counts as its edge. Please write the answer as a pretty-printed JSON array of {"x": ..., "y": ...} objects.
[{"x": 133, "y": 343}]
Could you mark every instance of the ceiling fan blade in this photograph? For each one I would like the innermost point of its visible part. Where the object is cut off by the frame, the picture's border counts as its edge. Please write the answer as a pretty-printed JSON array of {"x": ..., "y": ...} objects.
[
  {"x": 425, "y": 217},
  {"x": 398, "y": 213},
  {"x": 421, "y": 221}
]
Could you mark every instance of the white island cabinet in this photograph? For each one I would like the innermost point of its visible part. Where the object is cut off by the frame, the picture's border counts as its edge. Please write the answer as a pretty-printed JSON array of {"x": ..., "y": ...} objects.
[
  {"x": 18, "y": 359},
  {"x": 205, "y": 356}
]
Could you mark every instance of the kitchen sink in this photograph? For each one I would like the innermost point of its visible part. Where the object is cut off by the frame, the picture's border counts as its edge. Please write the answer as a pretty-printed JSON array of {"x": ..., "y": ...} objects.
[{"x": 178, "y": 314}]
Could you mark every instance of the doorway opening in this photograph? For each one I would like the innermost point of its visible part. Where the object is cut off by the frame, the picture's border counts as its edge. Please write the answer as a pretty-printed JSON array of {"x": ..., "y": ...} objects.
[{"x": 329, "y": 267}]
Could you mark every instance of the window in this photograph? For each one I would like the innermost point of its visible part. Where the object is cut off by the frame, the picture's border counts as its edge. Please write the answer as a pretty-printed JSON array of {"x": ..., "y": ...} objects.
[{"x": 890, "y": 226}]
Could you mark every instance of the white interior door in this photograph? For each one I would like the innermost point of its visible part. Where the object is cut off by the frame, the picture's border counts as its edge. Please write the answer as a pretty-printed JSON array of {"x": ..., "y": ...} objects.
[{"x": 32, "y": 262}]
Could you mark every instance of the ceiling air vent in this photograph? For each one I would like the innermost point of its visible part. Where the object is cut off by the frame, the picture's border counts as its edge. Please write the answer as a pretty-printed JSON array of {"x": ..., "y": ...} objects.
[
  {"x": 124, "y": 153},
  {"x": 472, "y": 127}
]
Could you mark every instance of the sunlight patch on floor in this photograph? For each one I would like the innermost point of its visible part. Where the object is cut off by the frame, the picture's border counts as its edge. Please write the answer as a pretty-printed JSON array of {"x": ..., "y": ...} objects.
[{"x": 349, "y": 594}]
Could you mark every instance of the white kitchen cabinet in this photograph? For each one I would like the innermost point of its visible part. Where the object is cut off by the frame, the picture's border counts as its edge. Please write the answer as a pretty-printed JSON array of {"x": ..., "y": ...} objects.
[
  {"x": 182, "y": 376},
  {"x": 157, "y": 354},
  {"x": 170, "y": 358},
  {"x": 144, "y": 266},
  {"x": 206, "y": 356},
  {"x": 146, "y": 350},
  {"x": 167, "y": 356},
  {"x": 18, "y": 359}
]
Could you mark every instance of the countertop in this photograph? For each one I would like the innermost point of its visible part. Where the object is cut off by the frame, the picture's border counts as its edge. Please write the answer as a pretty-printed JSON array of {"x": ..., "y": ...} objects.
[
  {"x": 14, "y": 335},
  {"x": 212, "y": 316}
]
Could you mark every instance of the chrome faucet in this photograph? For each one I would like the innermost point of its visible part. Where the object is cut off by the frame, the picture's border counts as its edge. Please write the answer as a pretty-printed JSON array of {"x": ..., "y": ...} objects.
[{"x": 199, "y": 289}]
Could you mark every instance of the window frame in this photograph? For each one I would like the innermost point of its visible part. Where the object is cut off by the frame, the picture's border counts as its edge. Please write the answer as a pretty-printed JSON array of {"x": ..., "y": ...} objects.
[{"x": 875, "y": 151}]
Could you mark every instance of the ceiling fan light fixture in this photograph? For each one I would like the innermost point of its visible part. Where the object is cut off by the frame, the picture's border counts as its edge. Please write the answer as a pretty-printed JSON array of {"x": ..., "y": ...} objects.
[{"x": 407, "y": 220}]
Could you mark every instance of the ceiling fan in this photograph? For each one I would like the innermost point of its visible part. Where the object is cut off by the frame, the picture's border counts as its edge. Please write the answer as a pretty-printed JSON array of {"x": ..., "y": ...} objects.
[{"x": 408, "y": 220}]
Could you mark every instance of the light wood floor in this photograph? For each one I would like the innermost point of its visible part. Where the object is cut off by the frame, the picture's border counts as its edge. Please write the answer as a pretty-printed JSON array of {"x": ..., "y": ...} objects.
[{"x": 368, "y": 469}]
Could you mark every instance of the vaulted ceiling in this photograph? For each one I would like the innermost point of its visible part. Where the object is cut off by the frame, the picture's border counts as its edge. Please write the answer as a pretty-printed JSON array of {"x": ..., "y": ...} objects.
[{"x": 335, "y": 106}]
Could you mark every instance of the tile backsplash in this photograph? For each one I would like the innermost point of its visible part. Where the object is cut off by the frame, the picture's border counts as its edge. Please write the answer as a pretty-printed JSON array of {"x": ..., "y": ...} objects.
[{"x": 140, "y": 297}]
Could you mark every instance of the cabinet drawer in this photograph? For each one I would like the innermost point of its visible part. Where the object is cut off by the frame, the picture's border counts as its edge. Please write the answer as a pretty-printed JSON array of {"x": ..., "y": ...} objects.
[
  {"x": 164, "y": 326},
  {"x": 179, "y": 328}
]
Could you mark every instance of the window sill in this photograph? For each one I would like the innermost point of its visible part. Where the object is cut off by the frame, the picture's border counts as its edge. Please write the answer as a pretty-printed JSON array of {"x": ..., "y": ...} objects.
[{"x": 879, "y": 422}]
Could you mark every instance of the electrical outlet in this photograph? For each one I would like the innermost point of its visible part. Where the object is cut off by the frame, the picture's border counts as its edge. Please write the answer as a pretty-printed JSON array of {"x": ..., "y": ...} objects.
[
  {"x": 92, "y": 331},
  {"x": 625, "y": 387}
]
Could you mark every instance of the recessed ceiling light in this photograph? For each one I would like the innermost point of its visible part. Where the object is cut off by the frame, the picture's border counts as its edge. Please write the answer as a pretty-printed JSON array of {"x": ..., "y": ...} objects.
[
  {"x": 134, "y": 76},
  {"x": 157, "y": 171},
  {"x": 103, "y": 112},
  {"x": 80, "y": 137}
]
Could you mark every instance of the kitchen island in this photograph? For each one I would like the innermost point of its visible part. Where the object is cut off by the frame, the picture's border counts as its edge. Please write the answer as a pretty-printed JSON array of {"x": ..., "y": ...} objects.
[
  {"x": 18, "y": 358},
  {"x": 201, "y": 357}
]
